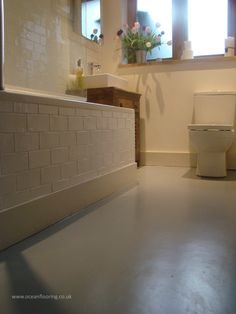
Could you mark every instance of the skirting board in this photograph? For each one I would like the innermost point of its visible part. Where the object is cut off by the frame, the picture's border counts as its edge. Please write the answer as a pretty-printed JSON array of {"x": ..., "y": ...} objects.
[
  {"x": 178, "y": 159},
  {"x": 20, "y": 222}
]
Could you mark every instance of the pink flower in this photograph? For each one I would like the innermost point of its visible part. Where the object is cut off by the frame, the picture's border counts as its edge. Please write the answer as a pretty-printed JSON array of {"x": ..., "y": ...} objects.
[
  {"x": 137, "y": 25},
  {"x": 148, "y": 30}
]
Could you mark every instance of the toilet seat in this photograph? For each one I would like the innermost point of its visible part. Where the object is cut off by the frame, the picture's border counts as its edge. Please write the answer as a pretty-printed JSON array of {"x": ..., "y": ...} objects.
[{"x": 210, "y": 127}]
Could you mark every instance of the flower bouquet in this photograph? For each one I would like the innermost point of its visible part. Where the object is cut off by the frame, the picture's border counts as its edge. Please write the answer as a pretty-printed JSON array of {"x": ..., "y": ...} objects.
[{"x": 139, "y": 38}]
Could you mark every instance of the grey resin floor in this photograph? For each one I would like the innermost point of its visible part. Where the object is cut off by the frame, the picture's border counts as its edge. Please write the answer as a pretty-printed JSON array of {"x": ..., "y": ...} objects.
[{"x": 166, "y": 246}]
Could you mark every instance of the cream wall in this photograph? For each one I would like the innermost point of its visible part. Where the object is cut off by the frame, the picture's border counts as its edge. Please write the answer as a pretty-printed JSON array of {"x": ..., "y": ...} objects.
[
  {"x": 114, "y": 17},
  {"x": 167, "y": 105},
  {"x": 41, "y": 48},
  {"x": 167, "y": 100},
  {"x": 167, "y": 94}
]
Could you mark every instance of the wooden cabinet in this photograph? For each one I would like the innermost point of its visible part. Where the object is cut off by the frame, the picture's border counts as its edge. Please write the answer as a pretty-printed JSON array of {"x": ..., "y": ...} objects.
[{"x": 117, "y": 97}]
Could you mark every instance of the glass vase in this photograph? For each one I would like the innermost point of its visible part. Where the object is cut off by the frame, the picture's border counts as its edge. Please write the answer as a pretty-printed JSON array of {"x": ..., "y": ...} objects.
[
  {"x": 130, "y": 55},
  {"x": 141, "y": 56}
]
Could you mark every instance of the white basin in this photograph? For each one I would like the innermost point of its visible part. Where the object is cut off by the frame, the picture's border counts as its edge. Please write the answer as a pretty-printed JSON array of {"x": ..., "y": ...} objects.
[{"x": 105, "y": 80}]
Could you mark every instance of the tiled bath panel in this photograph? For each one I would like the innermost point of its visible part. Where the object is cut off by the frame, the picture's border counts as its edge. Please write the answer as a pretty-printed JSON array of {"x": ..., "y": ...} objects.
[
  {"x": 45, "y": 148},
  {"x": 166, "y": 246}
]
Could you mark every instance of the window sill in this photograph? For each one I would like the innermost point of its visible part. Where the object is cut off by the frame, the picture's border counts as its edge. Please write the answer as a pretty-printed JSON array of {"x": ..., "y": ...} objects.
[{"x": 197, "y": 60}]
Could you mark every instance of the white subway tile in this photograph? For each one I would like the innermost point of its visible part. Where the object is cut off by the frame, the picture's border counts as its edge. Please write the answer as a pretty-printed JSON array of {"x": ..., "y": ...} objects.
[
  {"x": 59, "y": 155},
  {"x": 25, "y": 108},
  {"x": 7, "y": 184},
  {"x": 38, "y": 123},
  {"x": 108, "y": 159},
  {"x": 69, "y": 149},
  {"x": 6, "y": 106},
  {"x": 16, "y": 198},
  {"x": 28, "y": 179},
  {"x": 50, "y": 174},
  {"x": 98, "y": 149},
  {"x": 78, "y": 152},
  {"x": 14, "y": 162},
  {"x": 95, "y": 113},
  {"x": 75, "y": 123},
  {"x": 26, "y": 142},
  {"x": 40, "y": 191},
  {"x": 96, "y": 136},
  {"x": 83, "y": 177},
  {"x": 63, "y": 111},
  {"x": 112, "y": 123},
  {"x": 121, "y": 123},
  {"x": 39, "y": 158},
  {"x": 116, "y": 158},
  {"x": 58, "y": 123},
  {"x": 128, "y": 123},
  {"x": 6, "y": 143},
  {"x": 49, "y": 140},
  {"x": 102, "y": 123},
  {"x": 69, "y": 169},
  {"x": 68, "y": 139},
  {"x": 82, "y": 112},
  {"x": 105, "y": 170},
  {"x": 117, "y": 114},
  {"x": 84, "y": 165},
  {"x": 12, "y": 122},
  {"x": 47, "y": 109},
  {"x": 107, "y": 136},
  {"x": 76, "y": 180},
  {"x": 60, "y": 185},
  {"x": 90, "y": 123},
  {"x": 97, "y": 162},
  {"x": 83, "y": 137},
  {"x": 107, "y": 113}
]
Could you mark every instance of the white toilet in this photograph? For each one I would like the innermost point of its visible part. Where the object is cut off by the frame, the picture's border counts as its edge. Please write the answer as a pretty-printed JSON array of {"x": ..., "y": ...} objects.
[{"x": 212, "y": 133}]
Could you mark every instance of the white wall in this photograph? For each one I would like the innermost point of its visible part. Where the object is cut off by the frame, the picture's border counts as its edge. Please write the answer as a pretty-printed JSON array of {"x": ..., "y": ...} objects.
[{"x": 41, "y": 48}]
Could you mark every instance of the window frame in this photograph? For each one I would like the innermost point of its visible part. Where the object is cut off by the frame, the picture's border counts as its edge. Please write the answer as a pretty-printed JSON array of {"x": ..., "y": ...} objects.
[{"x": 180, "y": 23}]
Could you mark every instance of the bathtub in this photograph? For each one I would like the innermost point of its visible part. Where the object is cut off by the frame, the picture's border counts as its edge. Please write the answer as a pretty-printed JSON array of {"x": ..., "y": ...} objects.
[{"x": 59, "y": 154}]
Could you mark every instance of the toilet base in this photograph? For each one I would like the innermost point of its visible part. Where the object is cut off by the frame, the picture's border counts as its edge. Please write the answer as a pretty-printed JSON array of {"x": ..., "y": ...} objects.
[{"x": 211, "y": 164}]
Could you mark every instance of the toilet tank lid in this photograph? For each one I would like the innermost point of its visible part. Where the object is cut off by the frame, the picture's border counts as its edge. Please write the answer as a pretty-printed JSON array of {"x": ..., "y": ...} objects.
[{"x": 220, "y": 127}]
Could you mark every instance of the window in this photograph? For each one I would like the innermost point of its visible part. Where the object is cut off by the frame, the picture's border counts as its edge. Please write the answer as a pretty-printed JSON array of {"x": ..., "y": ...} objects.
[
  {"x": 206, "y": 23},
  {"x": 207, "y": 28},
  {"x": 149, "y": 13},
  {"x": 90, "y": 18}
]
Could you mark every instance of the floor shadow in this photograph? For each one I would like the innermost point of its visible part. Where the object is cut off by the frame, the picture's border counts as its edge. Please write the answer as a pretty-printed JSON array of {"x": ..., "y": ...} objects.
[
  {"x": 28, "y": 293},
  {"x": 58, "y": 226},
  {"x": 22, "y": 279}
]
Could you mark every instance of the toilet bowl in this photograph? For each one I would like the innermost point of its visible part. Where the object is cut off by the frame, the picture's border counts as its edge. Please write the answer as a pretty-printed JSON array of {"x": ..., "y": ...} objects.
[
  {"x": 211, "y": 143},
  {"x": 212, "y": 132}
]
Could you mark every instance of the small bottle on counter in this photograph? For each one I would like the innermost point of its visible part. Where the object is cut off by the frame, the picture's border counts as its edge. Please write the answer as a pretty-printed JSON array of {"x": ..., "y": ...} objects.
[{"x": 79, "y": 72}]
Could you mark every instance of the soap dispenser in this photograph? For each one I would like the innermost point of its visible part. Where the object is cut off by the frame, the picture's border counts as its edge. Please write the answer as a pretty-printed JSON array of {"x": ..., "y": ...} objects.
[{"x": 79, "y": 72}]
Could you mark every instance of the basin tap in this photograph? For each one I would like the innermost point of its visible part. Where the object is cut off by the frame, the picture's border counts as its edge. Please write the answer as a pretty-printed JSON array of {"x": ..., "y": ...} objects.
[{"x": 92, "y": 66}]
